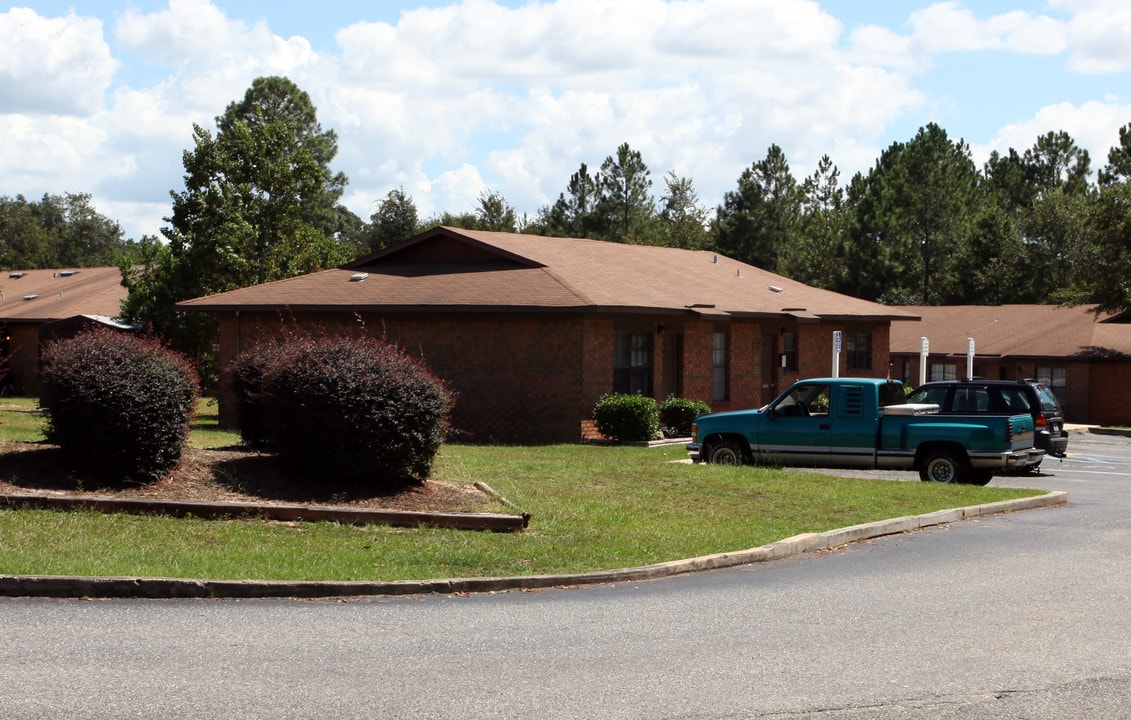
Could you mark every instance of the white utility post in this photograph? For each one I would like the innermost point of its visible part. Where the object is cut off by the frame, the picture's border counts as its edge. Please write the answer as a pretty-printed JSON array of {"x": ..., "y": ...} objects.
[
  {"x": 969, "y": 357},
  {"x": 924, "y": 351},
  {"x": 838, "y": 340}
]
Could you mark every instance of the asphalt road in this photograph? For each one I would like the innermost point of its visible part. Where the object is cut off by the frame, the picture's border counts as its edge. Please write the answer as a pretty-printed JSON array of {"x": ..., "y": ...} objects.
[{"x": 1023, "y": 615}]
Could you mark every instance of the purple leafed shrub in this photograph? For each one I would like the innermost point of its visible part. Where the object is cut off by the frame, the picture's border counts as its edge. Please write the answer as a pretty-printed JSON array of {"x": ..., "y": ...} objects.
[
  {"x": 343, "y": 409},
  {"x": 118, "y": 405}
]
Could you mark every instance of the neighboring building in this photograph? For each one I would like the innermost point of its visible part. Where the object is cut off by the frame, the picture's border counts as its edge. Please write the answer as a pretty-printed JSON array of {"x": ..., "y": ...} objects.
[
  {"x": 41, "y": 305},
  {"x": 1084, "y": 357},
  {"x": 530, "y": 331}
]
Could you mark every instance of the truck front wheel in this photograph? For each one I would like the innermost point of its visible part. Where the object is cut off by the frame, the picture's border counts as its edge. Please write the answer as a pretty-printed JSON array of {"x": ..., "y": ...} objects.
[
  {"x": 943, "y": 466},
  {"x": 727, "y": 452}
]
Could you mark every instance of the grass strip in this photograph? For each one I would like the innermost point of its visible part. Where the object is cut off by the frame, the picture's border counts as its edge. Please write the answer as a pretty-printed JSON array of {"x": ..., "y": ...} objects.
[{"x": 593, "y": 508}]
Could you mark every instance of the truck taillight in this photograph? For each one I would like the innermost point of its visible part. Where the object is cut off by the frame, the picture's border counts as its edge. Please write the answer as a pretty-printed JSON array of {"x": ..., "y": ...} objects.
[
  {"x": 1009, "y": 431},
  {"x": 694, "y": 433},
  {"x": 1042, "y": 422}
]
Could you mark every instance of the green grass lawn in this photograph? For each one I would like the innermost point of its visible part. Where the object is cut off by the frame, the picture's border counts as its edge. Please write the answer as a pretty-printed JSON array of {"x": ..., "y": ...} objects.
[{"x": 592, "y": 508}]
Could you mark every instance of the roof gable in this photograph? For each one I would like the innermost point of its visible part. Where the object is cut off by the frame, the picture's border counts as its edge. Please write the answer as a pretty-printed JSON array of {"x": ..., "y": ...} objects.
[
  {"x": 438, "y": 245},
  {"x": 454, "y": 268}
]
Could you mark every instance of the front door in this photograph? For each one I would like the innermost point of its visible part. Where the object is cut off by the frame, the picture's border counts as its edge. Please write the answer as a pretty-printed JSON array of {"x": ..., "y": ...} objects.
[{"x": 770, "y": 367}]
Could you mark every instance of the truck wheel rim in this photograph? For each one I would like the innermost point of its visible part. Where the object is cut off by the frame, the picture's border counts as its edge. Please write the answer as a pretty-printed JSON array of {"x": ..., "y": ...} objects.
[
  {"x": 724, "y": 456},
  {"x": 941, "y": 471}
]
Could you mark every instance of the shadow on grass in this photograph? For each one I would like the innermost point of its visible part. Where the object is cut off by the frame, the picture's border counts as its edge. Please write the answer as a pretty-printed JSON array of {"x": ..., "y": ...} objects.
[{"x": 37, "y": 467}]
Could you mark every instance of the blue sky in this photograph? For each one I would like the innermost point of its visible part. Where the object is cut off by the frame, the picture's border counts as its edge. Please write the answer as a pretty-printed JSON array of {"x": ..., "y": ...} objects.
[{"x": 452, "y": 99}]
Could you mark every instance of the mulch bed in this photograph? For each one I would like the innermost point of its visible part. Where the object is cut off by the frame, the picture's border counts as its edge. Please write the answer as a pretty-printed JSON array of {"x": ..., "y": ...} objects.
[{"x": 225, "y": 475}]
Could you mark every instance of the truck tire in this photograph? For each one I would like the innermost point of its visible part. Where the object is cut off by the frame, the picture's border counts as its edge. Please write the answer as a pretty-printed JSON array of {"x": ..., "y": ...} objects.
[
  {"x": 727, "y": 452},
  {"x": 944, "y": 466},
  {"x": 981, "y": 476}
]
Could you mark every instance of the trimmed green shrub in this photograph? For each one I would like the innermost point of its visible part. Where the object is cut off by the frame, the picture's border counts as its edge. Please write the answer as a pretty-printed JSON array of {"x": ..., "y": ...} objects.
[
  {"x": 118, "y": 405},
  {"x": 677, "y": 414},
  {"x": 626, "y": 417},
  {"x": 343, "y": 409}
]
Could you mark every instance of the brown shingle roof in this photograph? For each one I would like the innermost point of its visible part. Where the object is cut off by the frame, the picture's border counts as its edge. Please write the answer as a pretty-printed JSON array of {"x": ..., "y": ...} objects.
[
  {"x": 452, "y": 268},
  {"x": 1013, "y": 330},
  {"x": 35, "y": 296}
]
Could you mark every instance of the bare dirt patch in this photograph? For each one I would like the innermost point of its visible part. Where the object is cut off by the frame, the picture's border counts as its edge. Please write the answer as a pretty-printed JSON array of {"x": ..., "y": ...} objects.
[{"x": 228, "y": 475}]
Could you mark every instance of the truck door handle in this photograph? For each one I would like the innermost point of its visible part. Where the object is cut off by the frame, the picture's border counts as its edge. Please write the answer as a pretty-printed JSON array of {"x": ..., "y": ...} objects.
[{"x": 825, "y": 426}]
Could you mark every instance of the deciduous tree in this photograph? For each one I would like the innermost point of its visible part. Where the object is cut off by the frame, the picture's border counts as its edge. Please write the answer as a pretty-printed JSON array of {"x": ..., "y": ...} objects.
[
  {"x": 259, "y": 204},
  {"x": 394, "y": 221}
]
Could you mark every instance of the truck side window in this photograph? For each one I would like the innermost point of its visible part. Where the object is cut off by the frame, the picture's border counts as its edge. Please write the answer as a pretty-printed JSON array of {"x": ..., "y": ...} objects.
[{"x": 804, "y": 401}]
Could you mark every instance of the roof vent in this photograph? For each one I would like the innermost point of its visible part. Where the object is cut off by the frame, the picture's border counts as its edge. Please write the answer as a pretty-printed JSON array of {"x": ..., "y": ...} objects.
[
  {"x": 16, "y": 275},
  {"x": 68, "y": 273},
  {"x": 775, "y": 288},
  {"x": 358, "y": 277},
  {"x": 715, "y": 259},
  {"x": 30, "y": 297},
  {"x": 738, "y": 272}
]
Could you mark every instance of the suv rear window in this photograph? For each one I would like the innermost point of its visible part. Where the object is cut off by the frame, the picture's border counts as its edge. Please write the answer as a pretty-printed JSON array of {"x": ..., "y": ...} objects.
[
  {"x": 933, "y": 395},
  {"x": 1048, "y": 400},
  {"x": 1016, "y": 400},
  {"x": 970, "y": 399}
]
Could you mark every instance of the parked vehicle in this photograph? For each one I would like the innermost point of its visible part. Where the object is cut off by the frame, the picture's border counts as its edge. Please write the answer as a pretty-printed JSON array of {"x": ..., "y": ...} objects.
[
  {"x": 1001, "y": 397},
  {"x": 866, "y": 422}
]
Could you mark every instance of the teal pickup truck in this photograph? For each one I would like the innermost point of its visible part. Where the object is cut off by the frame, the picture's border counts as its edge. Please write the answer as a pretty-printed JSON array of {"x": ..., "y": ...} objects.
[{"x": 866, "y": 423}]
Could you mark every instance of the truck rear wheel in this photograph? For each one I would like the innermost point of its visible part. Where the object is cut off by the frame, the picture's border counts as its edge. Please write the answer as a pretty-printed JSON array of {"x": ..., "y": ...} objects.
[
  {"x": 944, "y": 466},
  {"x": 727, "y": 452},
  {"x": 981, "y": 477}
]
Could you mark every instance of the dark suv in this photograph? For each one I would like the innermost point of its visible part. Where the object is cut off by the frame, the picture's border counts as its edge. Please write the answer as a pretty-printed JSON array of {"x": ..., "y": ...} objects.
[{"x": 1001, "y": 397}]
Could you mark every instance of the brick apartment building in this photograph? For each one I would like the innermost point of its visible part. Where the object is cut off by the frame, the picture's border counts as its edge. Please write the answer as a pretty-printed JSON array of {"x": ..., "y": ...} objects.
[
  {"x": 37, "y": 306},
  {"x": 530, "y": 331},
  {"x": 1084, "y": 357}
]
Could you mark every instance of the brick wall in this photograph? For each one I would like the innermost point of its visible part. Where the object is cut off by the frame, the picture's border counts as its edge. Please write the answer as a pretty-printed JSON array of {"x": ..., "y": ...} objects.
[
  {"x": 516, "y": 378},
  {"x": 698, "y": 360},
  {"x": 1111, "y": 403}
]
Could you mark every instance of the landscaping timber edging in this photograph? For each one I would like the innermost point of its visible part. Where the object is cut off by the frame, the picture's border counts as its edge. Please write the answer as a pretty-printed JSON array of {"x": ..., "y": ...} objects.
[{"x": 269, "y": 511}]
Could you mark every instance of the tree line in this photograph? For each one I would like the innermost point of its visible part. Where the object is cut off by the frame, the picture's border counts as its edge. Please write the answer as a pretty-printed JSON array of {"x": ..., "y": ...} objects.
[
  {"x": 57, "y": 231},
  {"x": 924, "y": 225}
]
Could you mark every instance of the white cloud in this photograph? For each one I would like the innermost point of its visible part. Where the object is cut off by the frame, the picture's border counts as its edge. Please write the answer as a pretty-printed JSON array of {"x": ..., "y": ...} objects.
[
  {"x": 1099, "y": 34},
  {"x": 703, "y": 87},
  {"x": 454, "y": 191},
  {"x": 1093, "y": 125},
  {"x": 52, "y": 65},
  {"x": 949, "y": 27}
]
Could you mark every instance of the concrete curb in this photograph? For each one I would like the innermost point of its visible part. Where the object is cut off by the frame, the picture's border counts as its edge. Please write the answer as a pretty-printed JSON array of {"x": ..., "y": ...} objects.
[{"x": 154, "y": 588}]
